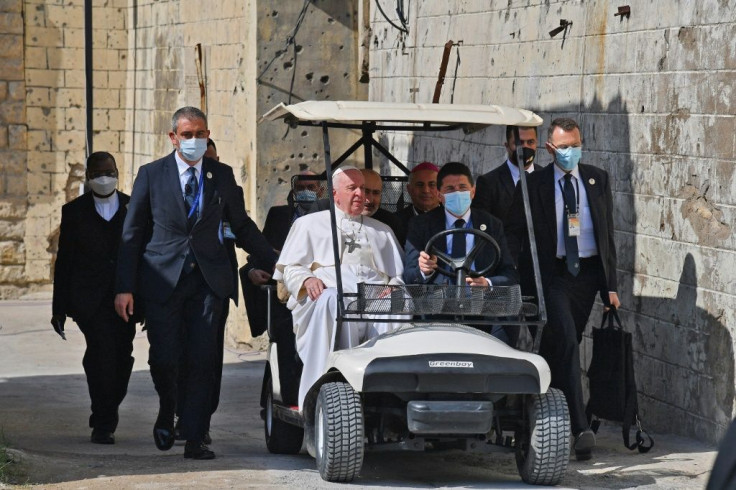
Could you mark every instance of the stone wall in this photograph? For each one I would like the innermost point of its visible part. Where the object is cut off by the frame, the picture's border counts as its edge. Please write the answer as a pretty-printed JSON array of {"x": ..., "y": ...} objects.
[
  {"x": 13, "y": 137},
  {"x": 654, "y": 96},
  {"x": 324, "y": 65}
]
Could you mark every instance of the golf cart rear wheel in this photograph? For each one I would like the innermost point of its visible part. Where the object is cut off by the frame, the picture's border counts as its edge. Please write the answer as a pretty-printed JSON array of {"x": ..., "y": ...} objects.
[
  {"x": 281, "y": 438},
  {"x": 338, "y": 427},
  {"x": 543, "y": 445}
]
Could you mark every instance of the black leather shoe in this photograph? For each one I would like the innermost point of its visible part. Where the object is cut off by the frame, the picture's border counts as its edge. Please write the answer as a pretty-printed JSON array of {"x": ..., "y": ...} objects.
[
  {"x": 163, "y": 435},
  {"x": 102, "y": 437},
  {"x": 197, "y": 450},
  {"x": 206, "y": 438},
  {"x": 584, "y": 444}
]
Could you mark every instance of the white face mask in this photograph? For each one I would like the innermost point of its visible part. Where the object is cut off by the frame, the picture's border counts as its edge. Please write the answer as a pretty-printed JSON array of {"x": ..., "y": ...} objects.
[{"x": 103, "y": 186}]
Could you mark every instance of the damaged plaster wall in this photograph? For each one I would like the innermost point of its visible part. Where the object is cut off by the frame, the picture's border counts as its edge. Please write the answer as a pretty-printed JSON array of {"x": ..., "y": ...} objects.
[
  {"x": 654, "y": 96},
  {"x": 324, "y": 63}
]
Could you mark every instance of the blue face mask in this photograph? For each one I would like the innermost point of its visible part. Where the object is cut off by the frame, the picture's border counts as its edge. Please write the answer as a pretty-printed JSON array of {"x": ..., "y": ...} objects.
[
  {"x": 305, "y": 195},
  {"x": 457, "y": 203},
  {"x": 193, "y": 149},
  {"x": 568, "y": 158}
]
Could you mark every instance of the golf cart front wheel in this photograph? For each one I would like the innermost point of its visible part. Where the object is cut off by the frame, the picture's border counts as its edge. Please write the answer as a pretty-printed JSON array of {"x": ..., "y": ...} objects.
[
  {"x": 281, "y": 438},
  {"x": 543, "y": 445},
  {"x": 338, "y": 427}
]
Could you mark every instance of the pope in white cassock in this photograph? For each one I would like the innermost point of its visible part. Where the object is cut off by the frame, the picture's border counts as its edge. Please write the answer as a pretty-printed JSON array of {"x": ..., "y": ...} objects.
[{"x": 369, "y": 252}]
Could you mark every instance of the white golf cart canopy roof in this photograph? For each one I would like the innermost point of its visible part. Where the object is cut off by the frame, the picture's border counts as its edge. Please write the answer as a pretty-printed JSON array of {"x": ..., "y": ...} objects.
[{"x": 354, "y": 111}]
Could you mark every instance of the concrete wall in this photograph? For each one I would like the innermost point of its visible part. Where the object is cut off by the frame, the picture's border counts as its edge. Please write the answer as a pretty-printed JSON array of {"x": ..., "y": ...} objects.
[
  {"x": 653, "y": 94},
  {"x": 326, "y": 67}
]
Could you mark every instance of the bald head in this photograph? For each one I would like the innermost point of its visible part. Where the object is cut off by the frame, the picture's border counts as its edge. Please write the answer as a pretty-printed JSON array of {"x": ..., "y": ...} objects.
[{"x": 373, "y": 191}]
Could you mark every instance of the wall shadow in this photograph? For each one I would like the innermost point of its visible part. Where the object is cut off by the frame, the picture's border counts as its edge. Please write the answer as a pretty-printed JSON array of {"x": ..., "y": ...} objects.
[{"x": 684, "y": 357}]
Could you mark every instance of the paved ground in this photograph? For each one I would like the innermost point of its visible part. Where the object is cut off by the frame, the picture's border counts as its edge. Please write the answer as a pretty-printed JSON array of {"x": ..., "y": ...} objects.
[{"x": 44, "y": 410}]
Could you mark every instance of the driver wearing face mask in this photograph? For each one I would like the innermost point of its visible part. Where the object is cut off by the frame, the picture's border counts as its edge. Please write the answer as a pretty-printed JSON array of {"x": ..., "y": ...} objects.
[{"x": 455, "y": 184}]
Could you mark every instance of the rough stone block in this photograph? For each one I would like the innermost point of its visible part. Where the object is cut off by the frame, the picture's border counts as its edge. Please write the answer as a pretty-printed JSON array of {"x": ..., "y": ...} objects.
[
  {"x": 76, "y": 78},
  {"x": 43, "y": 118},
  {"x": 74, "y": 38},
  {"x": 11, "y": 6},
  {"x": 39, "y": 140},
  {"x": 12, "y": 112},
  {"x": 12, "y": 209},
  {"x": 42, "y": 78},
  {"x": 12, "y": 68},
  {"x": 70, "y": 97},
  {"x": 11, "y": 23},
  {"x": 17, "y": 137},
  {"x": 45, "y": 37},
  {"x": 65, "y": 58},
  {"x": 12, "y": 253},
  {"x": 11, "y": 46},
  {"x": 17, "y": 90},
  {"x": 38, "y": 270},
  {"x": 69, "y": 141},
  {"x": 107, "y": 98},
  {"x": 11, "y": 229},
  {"x": 3, "y": 137},
  {"x": 65, "y": 16}
]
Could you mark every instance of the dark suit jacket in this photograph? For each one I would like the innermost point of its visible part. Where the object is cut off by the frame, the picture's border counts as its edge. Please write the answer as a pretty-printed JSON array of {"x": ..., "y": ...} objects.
[
  {"x": 494, "y": 191},
  {"x": 156, "y": 239},
  {"x": 381, "y": 215},
  {"x": 84, "y": 274},
  {"x": 542, "y": 204},
  {"x": 276, "y": 228},
  {"x": 425, "y": 226}
]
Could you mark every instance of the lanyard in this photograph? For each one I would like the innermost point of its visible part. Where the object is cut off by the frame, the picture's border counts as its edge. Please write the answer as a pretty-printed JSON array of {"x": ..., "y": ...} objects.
[
  {"x": 195, "y": 204},
  {"x": 577, "y": 194}
]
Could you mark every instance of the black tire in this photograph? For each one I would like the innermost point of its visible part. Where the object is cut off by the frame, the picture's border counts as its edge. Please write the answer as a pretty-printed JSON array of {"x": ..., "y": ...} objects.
[
  {"x": 543, "y": 446},
  {"x": 281, "y": 438},
  {"x": 338, "y": 432}
]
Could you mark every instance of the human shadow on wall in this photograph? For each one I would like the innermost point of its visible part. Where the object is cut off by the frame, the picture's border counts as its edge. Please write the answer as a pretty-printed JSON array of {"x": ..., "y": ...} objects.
[{"x": 683, "y": 354}]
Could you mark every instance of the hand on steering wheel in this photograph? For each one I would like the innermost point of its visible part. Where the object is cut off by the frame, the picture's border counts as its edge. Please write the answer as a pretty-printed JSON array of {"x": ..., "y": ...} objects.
[{"x": 460, "y": 267}]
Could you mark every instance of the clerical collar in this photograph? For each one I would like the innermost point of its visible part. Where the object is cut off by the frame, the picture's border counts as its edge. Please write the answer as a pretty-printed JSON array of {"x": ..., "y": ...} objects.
[{"x": 111, "y": 199}]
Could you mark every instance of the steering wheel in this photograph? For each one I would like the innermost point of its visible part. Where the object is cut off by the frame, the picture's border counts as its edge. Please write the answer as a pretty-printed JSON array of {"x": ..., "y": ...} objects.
[{"x": 460, "y": 267}]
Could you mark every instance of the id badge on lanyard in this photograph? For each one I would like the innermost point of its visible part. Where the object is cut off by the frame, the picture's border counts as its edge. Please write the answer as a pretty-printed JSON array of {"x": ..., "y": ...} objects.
[{"x": 573, "y": 224}]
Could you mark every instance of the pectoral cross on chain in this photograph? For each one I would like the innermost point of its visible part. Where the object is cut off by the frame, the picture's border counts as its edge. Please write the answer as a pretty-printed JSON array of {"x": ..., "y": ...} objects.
[{"x": 351, "y": 243}]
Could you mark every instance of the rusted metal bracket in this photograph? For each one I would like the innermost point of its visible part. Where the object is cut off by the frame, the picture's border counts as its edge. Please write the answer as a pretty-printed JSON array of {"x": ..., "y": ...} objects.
[
  {"x": 623, "y": 11},
  {"x": 443, "y": 70}
]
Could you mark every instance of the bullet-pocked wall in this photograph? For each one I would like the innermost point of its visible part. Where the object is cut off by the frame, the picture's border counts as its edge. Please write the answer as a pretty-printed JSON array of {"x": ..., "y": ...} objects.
[
  {"x": 653, "y": 92},
  {"x": 166, "y": 70},
  {"x": 322, "y": 63},
  {"x": 13, "y": 138}
]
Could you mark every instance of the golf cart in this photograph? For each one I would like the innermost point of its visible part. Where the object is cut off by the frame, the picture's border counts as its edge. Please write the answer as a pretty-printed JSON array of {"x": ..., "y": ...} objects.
[{"x": 439, "y": 380}]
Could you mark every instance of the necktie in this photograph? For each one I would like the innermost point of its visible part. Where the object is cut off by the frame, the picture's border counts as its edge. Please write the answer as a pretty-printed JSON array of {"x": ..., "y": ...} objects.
[
  {"x": 571, "y": 242},
  {"x": 458, "y": 240},
  {"x": 191, "y": 189}
]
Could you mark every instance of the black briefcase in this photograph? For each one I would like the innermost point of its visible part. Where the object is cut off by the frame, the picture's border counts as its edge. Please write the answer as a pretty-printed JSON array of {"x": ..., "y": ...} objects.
[{"x": 613, "y": 394}]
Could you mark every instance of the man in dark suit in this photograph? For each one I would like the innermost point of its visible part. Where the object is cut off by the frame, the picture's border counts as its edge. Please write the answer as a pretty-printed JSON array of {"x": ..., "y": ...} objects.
[
  {"x": 572, "y": 212},
  {"x": 494, "y": 190},
  {"x": 84, "y": 280},
  {"x": 181, "y": 383},
  {"x": 373, "y": 194},
  {"x": 252, "y": 277},
  {"x": 173, "y": 255},
  {"x": 422, "y": 188}
]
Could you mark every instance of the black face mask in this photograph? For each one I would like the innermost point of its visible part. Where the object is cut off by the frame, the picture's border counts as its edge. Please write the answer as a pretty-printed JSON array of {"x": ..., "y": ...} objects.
[{"x": 528, "y": 154}]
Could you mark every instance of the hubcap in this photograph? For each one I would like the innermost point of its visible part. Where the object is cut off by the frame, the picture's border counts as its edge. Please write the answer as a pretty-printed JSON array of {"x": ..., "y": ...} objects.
[{"x": 320, "y": 433}]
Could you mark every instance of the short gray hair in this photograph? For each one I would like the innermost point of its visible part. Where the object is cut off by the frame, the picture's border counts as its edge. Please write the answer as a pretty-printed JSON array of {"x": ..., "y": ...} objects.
[{"x": 187, "y": 112}]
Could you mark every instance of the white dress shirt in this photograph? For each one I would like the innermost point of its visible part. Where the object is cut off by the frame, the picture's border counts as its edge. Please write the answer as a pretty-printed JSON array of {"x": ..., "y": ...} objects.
[
  {"x": 515, "y": 171},
  {"x": 586, "y": 241},
  {"x": 184, "y": 175}
]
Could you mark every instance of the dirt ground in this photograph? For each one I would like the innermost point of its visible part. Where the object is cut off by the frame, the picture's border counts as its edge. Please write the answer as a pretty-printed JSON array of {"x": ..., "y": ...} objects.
[{"x": 44, "y": 410}]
